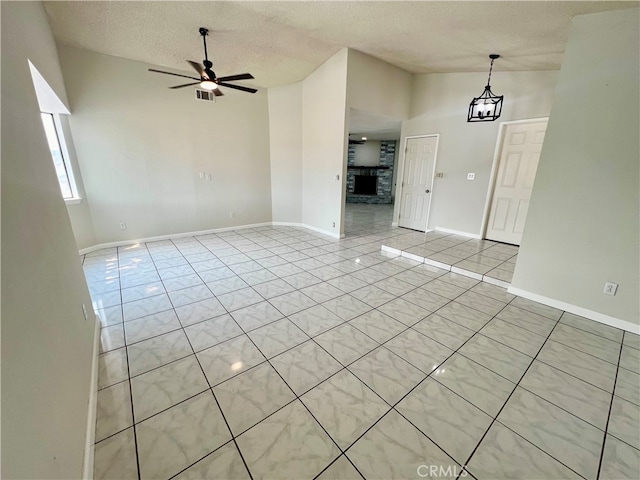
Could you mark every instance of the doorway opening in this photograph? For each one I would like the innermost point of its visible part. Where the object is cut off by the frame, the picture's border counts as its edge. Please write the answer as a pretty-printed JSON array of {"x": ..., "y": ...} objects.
[{"x": 370, "y": 175}]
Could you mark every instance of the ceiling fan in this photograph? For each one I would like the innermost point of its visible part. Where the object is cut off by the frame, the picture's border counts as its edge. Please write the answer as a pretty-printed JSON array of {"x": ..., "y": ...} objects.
[
  {"x": 208, "y": 79},
  {"x": 355, "y": 141}
]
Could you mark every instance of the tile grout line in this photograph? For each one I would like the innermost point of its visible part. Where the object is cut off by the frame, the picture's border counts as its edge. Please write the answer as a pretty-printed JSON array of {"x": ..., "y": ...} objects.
[
  {"x": 126, "y": 350},
  {"x": 428, "y": 375},
  {"x": 613, "y": 394},
  {"x": 296, "y": 396},
  {"x": 209, "y": 389},
  {"x": 517, "y": 384}
]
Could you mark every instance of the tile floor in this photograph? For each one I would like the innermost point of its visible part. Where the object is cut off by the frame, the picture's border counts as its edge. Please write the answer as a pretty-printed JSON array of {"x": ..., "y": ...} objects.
[
  {"x": 277, "y": 352},
  {"x": 485, "y": 260}
]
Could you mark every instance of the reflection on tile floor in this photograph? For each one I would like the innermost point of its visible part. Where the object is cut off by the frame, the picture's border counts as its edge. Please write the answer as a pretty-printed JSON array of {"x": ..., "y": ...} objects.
[{"x": 276, "y": 352}]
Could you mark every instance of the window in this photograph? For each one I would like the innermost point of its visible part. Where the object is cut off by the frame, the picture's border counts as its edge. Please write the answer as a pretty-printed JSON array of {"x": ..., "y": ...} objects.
[{"x": 60, "y": 157}]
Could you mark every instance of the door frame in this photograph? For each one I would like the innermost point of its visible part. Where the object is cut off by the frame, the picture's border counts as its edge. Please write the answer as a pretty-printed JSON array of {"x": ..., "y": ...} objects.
[
  {"x": 494, "y": 169},
  {"x": 400, "y": 177}
]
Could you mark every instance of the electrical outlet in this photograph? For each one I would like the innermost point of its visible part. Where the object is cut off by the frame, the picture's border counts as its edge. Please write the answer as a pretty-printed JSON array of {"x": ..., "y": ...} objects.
[
  {"x": 123, "y": 226},
  {"x": 471, "y": 176},
  {"x": 334, "y": 224},
  {"x": 208, "y": 177},
  {"x": 610, "y": 288},
  {"x": 439, "y": 175},
  {"x": 232, "y": 214},
  {"x": 84, "y": 312}
]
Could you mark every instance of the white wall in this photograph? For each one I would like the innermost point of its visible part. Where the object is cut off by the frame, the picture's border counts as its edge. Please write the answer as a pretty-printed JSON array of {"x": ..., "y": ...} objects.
[
  {"x": 377, "y": 87},
  {"x": 141, "y": 148},
  {"x": 285, "y": 144},
  {"x": 367, "y": 154},
  {"x": 582, "y": 225},
  {"x": 439, "y": 105},
  {"x": 79, "y": 213},
  {"x": 46, "y": 342},
  {"x": 324, "y": 144}
]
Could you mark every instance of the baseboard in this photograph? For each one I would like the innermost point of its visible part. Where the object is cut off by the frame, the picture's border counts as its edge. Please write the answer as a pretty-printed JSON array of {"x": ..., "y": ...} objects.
[
  {"x": 495, "y": 281},
  {"x": 458, "y": 232},
  {"x": 387, "y": 249},
  {"x": 583, "y": 312},
  {"x": 466, "y": 273},
  {"x": 412, "y": 256},
  {"x": 394, "y": 224},
  {"x": 100, "y": 246},
  {"x": 434, "y": 263},
  {"x": 90, "y": 436},
  {"x": 288, "y": 224},
  {"x": 324, "y": 232},
  {"x": 309, "y": 227}
]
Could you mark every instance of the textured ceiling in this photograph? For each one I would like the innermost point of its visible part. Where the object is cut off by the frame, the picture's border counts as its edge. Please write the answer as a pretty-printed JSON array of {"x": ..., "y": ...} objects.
[{"x": 283, "y": 42}]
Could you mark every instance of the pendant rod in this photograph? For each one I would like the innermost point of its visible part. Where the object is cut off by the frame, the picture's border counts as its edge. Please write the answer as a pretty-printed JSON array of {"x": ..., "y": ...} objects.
[{"x": 493, "y": 57}]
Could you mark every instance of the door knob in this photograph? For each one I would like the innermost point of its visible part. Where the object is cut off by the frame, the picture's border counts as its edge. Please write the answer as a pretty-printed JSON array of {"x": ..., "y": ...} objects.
[{"x": 427, "y": 191}]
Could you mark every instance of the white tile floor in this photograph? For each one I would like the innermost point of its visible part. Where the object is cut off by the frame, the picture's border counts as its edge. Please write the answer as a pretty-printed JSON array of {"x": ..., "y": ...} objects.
[{"x": 279, "y": 353}]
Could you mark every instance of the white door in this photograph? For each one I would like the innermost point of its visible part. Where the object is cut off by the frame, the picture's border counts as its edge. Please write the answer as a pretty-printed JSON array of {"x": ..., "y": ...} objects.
[
  {"x": 417, "y": 182},
  {"x": 520, "y": 152}
]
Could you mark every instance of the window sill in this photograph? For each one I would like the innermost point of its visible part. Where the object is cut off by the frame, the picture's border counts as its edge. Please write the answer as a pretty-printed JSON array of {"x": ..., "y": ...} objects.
[{"x": 72, "y": 201}]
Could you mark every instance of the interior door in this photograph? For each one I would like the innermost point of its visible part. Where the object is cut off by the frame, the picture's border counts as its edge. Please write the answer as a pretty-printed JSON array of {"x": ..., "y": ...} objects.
[
  {"x": 417, "y": 182},
  {"x": 518, "y": 162}
]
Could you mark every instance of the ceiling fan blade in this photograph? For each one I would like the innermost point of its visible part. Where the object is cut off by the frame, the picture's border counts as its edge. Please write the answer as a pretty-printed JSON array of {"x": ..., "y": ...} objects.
[
  {"x": 186, "y": 85},
  {"x": 217, "y": 92},
  {"x": 174, "y": 74},
  {"x": 241, "y": 76},
  {"x": 238, "y": 87},
  {"x": 196, "y": 66}
]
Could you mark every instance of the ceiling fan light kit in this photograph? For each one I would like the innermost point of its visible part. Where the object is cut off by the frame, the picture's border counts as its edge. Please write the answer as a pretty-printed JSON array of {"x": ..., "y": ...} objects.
[
  {"x": 208, "y": 85},
  {"x": 208, "y": 79},
  {"x": 487, "y": 107}
]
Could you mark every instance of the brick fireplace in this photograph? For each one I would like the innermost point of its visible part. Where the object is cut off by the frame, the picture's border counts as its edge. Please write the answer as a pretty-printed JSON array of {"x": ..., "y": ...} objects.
[{"x": 371, "y": 184}]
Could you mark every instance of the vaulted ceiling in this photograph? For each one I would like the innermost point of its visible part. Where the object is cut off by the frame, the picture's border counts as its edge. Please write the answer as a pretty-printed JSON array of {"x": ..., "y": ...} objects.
[{"x": 283, "y": 42}]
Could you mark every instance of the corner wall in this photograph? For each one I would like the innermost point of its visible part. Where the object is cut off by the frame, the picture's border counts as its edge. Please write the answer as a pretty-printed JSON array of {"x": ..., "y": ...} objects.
[
  {"x": 439, "y": 105},
  {"x": 583, "y": 221},
  {"x": 377, "y": 87},
  {"x": 47, "y": 344},
  {"x": 141, "y": 148},
  {"x": 324, "y": 144},
  {"x": 285, "y": 146}
]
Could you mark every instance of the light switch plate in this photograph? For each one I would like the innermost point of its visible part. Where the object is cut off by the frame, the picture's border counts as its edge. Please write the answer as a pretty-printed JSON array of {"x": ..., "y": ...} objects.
[{"x": 610, "y": 288}]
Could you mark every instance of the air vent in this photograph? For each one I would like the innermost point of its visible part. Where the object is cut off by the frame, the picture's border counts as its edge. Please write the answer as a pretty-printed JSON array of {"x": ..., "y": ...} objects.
[{"x": 205, "y": 95}]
